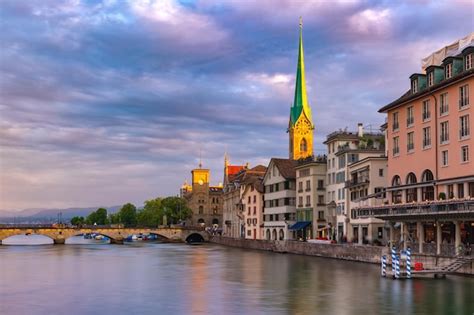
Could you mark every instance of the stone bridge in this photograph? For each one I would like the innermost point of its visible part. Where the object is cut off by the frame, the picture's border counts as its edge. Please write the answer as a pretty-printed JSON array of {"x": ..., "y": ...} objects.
[{"x": 59, "y": 233}]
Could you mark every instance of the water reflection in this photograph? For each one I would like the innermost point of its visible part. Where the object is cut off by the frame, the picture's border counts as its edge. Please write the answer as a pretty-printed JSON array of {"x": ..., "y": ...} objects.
[{"x": 153, "y": 278}]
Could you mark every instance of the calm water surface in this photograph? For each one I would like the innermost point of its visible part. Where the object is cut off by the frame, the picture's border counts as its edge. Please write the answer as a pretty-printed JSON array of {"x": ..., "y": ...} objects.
[{"x": 153, "y": 278}]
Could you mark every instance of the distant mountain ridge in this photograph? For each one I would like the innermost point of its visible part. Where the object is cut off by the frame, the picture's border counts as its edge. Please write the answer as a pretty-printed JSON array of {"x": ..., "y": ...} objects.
[{"x": 66, "y": 214}]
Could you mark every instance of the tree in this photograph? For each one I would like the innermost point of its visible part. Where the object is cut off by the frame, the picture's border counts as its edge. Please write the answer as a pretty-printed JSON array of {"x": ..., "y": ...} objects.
[
  {"x": 175, "y": 209},
  {"x": 128, "y": 215},
  {"x": 98, "y": 217},
  {"x": 114, "y": 218},
  {"x": 151, "y": 214},
  {"x": 77, "y": 220}
]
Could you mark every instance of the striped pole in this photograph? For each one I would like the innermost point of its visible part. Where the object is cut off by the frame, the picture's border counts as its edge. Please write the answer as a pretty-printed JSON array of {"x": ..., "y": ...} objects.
[
  {"x": 397, "y": 267},
  {"x": 384, "y": 266},
  {"x": 394, "y": 255},
  {"x": 408, "y": 263}
]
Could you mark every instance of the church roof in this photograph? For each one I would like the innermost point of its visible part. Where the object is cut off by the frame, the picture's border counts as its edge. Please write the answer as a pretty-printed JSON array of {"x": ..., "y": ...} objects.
[{"x": 300, "y": 104}]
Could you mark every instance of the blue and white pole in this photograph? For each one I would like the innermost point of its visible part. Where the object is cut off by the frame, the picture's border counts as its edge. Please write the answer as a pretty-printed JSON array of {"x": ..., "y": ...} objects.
[
  {"x": 397, "y": 267},
  {"x": 394, "y": 256},
  {"x": 384, "y": 266},
  {"x": 408, "y": 262}
]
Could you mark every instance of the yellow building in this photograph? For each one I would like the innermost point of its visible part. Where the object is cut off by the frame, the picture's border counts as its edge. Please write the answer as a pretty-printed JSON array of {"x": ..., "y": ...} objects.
[
  {"x": 300, "y": 126},
  {"x": 204, "y": 200}
]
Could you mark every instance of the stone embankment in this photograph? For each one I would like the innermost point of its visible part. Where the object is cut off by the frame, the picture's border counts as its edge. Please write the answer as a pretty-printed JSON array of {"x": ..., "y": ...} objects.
[{"x": 360, "y": 253}]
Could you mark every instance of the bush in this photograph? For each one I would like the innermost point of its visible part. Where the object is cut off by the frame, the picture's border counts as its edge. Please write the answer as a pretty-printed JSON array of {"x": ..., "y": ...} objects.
[{"x": 442, "y": 196}]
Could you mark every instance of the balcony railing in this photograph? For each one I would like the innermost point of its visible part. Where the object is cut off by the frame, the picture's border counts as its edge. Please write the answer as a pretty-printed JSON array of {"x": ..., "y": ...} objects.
[
  {"x": 449, "y": 208},
  {"x": 357, "y": 182}
]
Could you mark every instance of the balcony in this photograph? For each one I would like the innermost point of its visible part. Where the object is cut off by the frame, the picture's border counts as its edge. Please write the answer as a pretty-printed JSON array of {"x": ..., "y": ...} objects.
[
  {"x": 321, "y": 188},
  {"x": 357, "y": 182},
  {"x": 435, "y": 210}
]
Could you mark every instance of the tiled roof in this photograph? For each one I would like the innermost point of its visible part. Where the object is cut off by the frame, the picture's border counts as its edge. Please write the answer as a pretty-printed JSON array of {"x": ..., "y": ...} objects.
[
  {"x": 234, "y": 169},
  {"x": 286, "y": 167}
]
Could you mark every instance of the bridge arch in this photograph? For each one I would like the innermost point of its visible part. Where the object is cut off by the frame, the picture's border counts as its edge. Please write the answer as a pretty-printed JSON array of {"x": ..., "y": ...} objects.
[
  {"x": 23, "y": 239},
  {"x": 194, "y": 238}
]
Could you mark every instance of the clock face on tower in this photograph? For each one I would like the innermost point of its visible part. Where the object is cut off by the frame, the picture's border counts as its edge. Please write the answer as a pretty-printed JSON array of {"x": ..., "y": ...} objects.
[{"x": 304, "y": 127}]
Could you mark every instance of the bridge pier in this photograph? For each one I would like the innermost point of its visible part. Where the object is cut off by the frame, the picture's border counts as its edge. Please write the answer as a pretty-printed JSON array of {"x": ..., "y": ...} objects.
[{"x": 59, "y": 241}]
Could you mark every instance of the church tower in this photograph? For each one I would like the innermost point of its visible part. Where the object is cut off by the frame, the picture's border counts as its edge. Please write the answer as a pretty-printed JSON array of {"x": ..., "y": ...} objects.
[{"x": 300, "y": 127}]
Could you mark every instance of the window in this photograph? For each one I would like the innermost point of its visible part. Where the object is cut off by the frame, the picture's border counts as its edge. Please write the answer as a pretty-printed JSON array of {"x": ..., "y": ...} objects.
[
  {"x": 450, "y": 191},
  {"x": 381, "y": 172},
  {"x": 431, "y": 78},
  {"x": 427, "y": 137},
  {"x": 320, "y": 184},
  {"x": 353, "y": 157},
  {"x": 464, "y": 153},
  {"x": 342, "y": 161},
  {"x": 463, "y": 96},
  {"x": 249, "y": 199},
  {"x": 320, "y": 199},
  {"x": 410, "y": 117},
  {"x": 254, "y": 198},
  {"x": 395, "y": 121},
  {"x": 308, "y": 201},
  {"x": 426, "y": 110},
  {"x": 468, "y": 62},
  {"x": 410, "y": 141},
  {"x": 249, "y": 210},
  {"x": 300, "y": 201},
  {"x": 444, "y": 136},
  {"x": 254, "y": 210},
  {"x": 304, "y": 172},
  {"x": 396, "y": 148},
  {"x": 443, "y": 104},
  {"x": 444, "y": 158},
  {"x": 303, "y": 145},
  {"x": 300, "y": 186},
  {"x": 201, "y": 209},
  {"x": 461, "y": 190},
  {"x": 414, "y": 86},
  {"x": 463, "y": 126},
  {"x": 448, "y": 71}
]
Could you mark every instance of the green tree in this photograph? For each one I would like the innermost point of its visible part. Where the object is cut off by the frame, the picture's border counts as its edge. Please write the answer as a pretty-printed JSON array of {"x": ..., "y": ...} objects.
[
  {"x": 175, "y": 209},
  {"x": 77, "y": 220},
  {"x": 98, "y": 217},
  {"x": 151, "y": 214},
  {"x": 128, "y": 215},
  {"x": 114, "y": 218}
]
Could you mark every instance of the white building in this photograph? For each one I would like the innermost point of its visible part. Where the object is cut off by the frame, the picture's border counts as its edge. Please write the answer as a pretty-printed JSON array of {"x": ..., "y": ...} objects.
[{"x": 280, "y": 195}]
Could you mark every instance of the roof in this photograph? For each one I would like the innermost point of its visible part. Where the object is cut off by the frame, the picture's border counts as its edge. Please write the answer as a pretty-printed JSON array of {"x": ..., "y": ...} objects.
[
  {"x": 300, "y": 104},
  {"x": 286, "y": 167},
  {"x": 234, "y": 169}
]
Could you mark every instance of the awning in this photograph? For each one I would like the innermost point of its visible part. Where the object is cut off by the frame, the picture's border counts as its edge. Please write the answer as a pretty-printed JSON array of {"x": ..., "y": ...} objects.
[{"x": 300, "y": 225}]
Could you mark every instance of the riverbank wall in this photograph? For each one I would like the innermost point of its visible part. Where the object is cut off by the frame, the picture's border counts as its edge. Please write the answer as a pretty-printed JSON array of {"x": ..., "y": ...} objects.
[{"x": 359, "y": 253}]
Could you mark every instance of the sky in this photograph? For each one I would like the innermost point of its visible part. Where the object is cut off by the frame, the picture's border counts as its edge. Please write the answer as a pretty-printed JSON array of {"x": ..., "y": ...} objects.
[{"x": 108, "y": 102}]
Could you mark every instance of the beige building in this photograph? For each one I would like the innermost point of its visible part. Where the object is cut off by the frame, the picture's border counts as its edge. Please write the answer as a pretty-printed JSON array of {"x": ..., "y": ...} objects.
[
  {"x": 366, "y": 187},
  {"x": 253, "y": 203},
  {"x": 204, "y": 200},
  {"x": 313, "y": 220},
  {"x": 345, "y": 148}
]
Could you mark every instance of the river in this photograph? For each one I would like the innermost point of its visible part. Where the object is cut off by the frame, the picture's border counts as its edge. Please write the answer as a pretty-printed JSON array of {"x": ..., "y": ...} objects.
[{"x": 157, "y": 278}]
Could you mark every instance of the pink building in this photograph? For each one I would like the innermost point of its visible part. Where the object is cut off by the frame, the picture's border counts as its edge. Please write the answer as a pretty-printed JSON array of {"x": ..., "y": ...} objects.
[{"x": 430, "y": 148}]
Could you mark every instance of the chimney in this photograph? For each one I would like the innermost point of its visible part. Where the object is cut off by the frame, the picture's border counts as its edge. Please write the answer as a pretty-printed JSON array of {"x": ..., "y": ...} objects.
[{"x": 360, "y": 129}]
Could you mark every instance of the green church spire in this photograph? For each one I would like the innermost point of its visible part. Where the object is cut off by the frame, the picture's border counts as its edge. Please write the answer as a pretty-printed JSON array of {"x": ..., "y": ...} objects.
[{"x": 300, "y": 104}]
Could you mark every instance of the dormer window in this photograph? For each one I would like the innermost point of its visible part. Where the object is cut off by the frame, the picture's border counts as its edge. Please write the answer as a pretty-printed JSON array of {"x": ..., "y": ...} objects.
[
  {"x": 448, "y": 71},
  {"x": 414, "y": 86},
  {"x": 430, "y": 78},
  {"x": 468, "y": 62}
]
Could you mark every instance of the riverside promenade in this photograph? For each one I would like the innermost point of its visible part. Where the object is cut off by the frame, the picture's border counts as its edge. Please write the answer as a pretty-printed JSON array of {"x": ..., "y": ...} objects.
[{"x": 357, "y": 253}]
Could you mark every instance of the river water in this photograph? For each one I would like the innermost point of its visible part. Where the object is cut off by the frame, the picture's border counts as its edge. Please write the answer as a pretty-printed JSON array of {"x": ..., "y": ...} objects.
[{"x": 154, "y": 278}]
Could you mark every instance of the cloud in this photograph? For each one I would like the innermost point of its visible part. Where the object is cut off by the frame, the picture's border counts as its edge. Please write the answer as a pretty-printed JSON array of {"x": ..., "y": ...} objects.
[{"x": 104, "y": 102}]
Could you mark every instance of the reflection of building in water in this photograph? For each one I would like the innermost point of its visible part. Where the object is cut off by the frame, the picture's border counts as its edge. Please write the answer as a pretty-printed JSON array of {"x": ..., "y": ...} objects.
[{"x": 199, "y": 283}]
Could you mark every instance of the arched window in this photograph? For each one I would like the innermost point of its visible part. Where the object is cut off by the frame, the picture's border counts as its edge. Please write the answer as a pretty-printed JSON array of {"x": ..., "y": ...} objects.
[
  {"x": 215, "y": 221},
  {"x": 282, "y": 235},
  {"x": 303, "y": 145},
  {"x": 427, "y": 192},
  {"x": 268, "y": 235},
  {"x": 396, "y": 194},
  {"x": 411, "y": 192},
  {"x": 274, "y": 234},
  {"x": 201, "y": 209},
  {"x": 201, "y": 221}
]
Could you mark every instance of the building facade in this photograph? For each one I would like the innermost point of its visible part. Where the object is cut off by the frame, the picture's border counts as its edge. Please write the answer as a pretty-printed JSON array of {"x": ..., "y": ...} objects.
[
  {"x": 344, "y": 148},
  {"x": 430, "y": 159},
  {"x": 252, "y": 192},
  {"x": 204, "y": 200},
  {"x": 311, "y": 208},
  {"x": 232, "y": 205},
  {"x": 280, "y": 199},
  {"x": 366, "y": 187}
]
